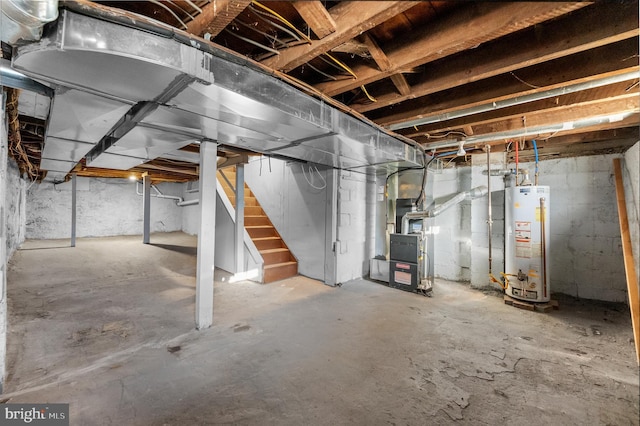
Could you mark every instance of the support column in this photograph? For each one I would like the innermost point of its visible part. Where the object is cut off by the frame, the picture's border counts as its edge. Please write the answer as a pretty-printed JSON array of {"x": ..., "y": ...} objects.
[
  {"x": 331, "y": 229},
  {"x": 146, "y": 207},
  {"x": 74, "y": 186},
  {"x": 206, "y": 235},
  {"x": 239, "y": 235}
]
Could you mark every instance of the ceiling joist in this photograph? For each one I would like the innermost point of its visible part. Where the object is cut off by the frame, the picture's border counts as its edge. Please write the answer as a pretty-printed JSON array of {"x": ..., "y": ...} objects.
[
  {"x": 351, "y": 20},
  {"x": 316, "y": 16},
  {"x": 216, "y": 16},
  {"x": 562, "y": 37},
  {"x": 488, "y": 21}
]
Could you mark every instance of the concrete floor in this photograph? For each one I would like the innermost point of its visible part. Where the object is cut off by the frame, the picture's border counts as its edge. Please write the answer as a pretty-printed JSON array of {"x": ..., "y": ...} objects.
[{"x": 108, "y": 327}]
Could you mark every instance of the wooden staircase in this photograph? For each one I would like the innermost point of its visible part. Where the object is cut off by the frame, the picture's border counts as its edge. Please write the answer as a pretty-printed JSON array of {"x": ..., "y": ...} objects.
[{"x": 279, "y": 262}]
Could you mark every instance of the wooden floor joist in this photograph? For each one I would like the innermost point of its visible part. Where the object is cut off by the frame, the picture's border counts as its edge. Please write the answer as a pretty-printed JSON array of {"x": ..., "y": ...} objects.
[{"x": 629, "y": 268}]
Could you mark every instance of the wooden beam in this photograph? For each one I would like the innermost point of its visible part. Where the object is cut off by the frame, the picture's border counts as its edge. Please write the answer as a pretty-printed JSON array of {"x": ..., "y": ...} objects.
[
  {"x": 316, "y": 16},
  {"x": 351, "y": 19},
  {"x": 587, "y": 66},
  {"x": 180, "y": 170},
  {"x": 627, "y": 250},
  {"x": 383, "y": 62},
  {"x": 624, "y": 133},
  {"x": 549, "y": 41},
  {"x": 470, "y": 26},
  {"x": 216, "y": 16}
]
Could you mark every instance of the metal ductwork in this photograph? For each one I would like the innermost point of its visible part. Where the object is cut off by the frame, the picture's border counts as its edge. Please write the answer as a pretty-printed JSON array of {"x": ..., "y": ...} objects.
[
  {"x": 24, "y": 19},
  {"x": 129, "y": 92},
  {"x": 477, "y": 192}
]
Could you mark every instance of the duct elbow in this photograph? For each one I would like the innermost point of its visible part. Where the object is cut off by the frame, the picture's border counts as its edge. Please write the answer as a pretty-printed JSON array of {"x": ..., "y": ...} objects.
[
  {"x": 22, "y": 19},
  {"x": 477, "y": 192}
]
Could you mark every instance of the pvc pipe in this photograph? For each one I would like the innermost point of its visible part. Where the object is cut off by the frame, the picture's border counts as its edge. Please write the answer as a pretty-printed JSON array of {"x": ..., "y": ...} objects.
[
  {"x": 179, "y": 200},
  {"x": 188, "y": 203}
]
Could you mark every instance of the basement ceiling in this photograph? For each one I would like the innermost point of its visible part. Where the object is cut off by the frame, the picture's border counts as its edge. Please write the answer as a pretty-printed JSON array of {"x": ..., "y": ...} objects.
[{"x": 436, "y": 72}]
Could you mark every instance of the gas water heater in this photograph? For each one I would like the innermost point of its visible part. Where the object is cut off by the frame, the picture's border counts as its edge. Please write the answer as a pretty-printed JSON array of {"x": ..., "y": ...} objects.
[{"x": 527, "y": 243}]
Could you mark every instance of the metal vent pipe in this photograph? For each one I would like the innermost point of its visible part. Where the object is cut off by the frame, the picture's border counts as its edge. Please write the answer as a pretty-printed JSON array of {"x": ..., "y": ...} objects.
[
  {"x": 477, "y": 192},
  {"x": 24, "y": 19}
]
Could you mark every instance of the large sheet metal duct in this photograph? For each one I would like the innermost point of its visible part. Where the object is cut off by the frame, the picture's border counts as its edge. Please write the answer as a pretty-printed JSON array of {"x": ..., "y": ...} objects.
[{"x": 127, "y": 94}]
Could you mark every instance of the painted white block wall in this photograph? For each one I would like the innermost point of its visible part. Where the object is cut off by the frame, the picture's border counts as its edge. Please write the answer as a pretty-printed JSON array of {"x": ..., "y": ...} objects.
[
  {"x": 631, "y": 176},
  {"x": 356, "y": 225},
  {"x": 105, "y": 207},
  {"x": 452, "y": 257},
  {"x": 225, "y": 236},
  {"x": 295, "y": 201},
  {"x": 479, "y": 225},
  {"x": 15, "y": 207},
  {"x": 12, "y": 229},
  {"x": 585, "y": 246}
]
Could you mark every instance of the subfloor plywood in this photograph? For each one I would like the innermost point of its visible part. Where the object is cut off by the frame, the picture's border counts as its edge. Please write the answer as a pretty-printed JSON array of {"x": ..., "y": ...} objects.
[{"x": 109, "y": 328}]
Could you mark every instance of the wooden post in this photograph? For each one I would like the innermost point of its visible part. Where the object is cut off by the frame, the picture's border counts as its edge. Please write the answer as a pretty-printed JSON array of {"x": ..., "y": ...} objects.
[{"x": 630, "y": 271}]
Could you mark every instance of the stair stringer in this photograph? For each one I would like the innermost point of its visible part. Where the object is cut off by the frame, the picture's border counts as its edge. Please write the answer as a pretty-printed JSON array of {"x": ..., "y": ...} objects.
[{"x": 253, "y": 262}]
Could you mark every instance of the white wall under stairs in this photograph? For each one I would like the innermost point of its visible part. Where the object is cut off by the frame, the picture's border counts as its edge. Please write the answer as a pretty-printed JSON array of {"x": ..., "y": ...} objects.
[
  {"x": 295, "y": 207},
  {"x": 225, "y": 243}
]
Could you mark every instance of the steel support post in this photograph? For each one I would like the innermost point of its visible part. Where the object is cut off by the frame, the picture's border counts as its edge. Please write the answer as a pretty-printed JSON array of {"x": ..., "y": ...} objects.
[{"x": 206, "y": 235}]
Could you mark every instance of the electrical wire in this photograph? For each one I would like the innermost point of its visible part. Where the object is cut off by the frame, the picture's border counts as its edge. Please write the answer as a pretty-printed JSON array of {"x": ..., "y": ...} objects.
[
  {"x": 371, "y": 98},
  {"x": 260, "y": 15},
  {"x": 331, "y": 63},
  {"x": 524, "y": 82},
  {"x": 179, "y": 7},
  {"x": 324, "y": 182},
  {"x": 424, "y": 176},
  {"x": 283, "y": 20},
  {"x": 446, "y": 135},
  {"x": 170, "y": 11},
  {"x": 346, "y": 68},
  {"x": 267, "y": 35},
  {"x": 330, "y": 77},
  {"x": 193, "y": 5},
  {"x": 255, "y": 43}
]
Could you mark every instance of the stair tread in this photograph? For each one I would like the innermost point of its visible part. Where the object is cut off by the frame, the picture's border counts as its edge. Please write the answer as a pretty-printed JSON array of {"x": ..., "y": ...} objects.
[
  {"x": 274, "y": 250},
  {"x": 266, "y": 238},
  {"x": 258, "y": 226},
  {"x": 276, "y": 265}
]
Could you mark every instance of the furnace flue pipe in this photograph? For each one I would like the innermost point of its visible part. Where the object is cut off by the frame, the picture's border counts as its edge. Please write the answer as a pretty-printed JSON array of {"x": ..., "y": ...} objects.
[{"x": 477, "y": 192}]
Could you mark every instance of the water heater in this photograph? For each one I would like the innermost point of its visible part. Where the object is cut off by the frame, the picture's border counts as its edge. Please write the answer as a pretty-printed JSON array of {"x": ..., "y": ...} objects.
[{"x": 527, "y": 243}]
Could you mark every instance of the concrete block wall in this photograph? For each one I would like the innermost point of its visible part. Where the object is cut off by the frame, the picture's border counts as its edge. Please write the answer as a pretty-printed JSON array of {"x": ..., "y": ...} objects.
[
  {"x": 452, "y": 257},
  {"x": 294, "y": 196},
  {"x": 585, "y": 246},
  {"x": 355, "y": 244},
  {"x": 631, "y": 176},
  {"x": 479, "y": 217},
  {"x": 12, "y": 219},
  {"x": 105, "y": 207},
  {"x": 15, "y": 207}
]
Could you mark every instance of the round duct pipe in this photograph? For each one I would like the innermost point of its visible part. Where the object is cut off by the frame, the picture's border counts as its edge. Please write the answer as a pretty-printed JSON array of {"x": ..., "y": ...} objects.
[{"x": 24, "y": 19}]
